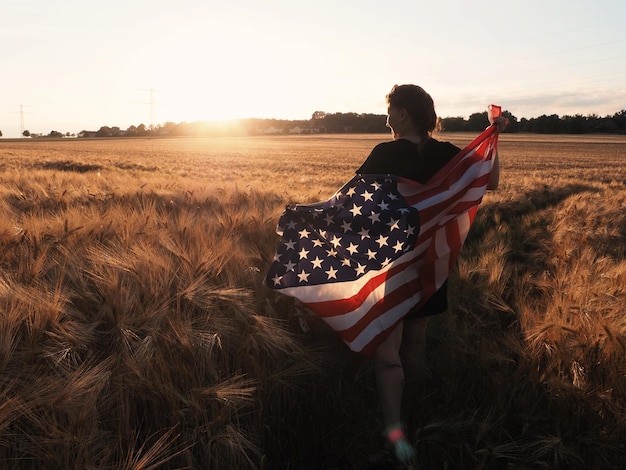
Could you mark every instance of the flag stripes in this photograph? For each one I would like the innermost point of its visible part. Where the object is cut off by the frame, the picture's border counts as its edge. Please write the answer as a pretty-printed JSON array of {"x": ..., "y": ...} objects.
[{"x": 381, "y": 246}]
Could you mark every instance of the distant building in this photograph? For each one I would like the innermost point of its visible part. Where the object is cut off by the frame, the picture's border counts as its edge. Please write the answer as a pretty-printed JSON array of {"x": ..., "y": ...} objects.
[
  {"x": 84, "y": 134},
  {"x": 304, "y": 130},
  {"x": 270, "y": 130}
]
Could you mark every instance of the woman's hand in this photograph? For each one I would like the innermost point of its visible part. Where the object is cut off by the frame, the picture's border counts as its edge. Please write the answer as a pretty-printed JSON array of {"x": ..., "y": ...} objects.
[{"x": 501, "y": 122}]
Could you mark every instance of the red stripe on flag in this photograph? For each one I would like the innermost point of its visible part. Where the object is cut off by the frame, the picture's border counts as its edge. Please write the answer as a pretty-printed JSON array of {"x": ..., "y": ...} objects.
[
  {"x": 339, "y": 307},
  {"x": 388, "y": 302}
]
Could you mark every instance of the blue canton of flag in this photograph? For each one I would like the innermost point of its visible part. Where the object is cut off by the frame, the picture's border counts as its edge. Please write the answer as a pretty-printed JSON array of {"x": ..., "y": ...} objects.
[{"x": 365, "y": 226}]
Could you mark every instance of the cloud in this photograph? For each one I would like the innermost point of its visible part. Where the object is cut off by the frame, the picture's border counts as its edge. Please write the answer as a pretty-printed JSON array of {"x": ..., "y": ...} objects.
[{"x": 601, "y": 102}]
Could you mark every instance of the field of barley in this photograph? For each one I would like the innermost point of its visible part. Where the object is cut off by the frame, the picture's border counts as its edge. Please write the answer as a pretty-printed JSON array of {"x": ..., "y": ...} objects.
[{"x": 136, "y": 332}]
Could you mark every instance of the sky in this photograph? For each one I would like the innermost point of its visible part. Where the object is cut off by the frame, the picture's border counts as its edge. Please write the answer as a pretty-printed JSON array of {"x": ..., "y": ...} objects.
[{"x": 71, "y": 65}]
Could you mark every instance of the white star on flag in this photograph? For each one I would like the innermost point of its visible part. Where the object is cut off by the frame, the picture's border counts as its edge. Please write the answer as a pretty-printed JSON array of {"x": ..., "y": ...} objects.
[
  {"x": 356, "y": 210},
  {"x": 353, "y": 248},
  {"x": 393, "y": 225},
  {"x": 382, "y": 241},
  {"x": 374, "y": 217},
  {"x": 365, "y": 233},
  {"x": 336, "y": 241}
]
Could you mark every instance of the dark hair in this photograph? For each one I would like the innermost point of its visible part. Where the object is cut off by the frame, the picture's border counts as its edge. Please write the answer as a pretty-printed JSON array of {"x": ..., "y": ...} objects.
[{"x": 418, "y": 104}]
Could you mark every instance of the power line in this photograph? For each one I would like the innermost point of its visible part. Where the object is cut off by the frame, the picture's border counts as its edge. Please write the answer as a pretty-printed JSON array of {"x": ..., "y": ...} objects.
[
  {"x": 22, "y": 113},
  {"x": 151, "y": 102}
]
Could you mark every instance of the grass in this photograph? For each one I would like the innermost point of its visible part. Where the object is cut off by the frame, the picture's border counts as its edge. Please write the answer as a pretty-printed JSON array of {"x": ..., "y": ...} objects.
[{"x": 135, "y": 331}]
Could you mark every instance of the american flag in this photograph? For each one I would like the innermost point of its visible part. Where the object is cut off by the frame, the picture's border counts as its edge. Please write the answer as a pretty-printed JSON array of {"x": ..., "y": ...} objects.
[{"x": 381, "y": 245}]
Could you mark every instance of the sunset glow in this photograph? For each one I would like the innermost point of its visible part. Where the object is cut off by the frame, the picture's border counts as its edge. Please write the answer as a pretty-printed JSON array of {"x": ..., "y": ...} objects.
[{"x": 152, "y": 62}]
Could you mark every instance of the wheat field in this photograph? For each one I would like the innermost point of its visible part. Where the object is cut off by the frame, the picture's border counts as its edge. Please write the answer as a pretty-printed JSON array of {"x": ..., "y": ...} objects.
[{"x": 136, "y": 333}]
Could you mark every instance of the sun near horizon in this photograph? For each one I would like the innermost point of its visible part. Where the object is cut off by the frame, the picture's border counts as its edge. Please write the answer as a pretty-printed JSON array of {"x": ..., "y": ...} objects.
[{"x": 149, "y": 62}]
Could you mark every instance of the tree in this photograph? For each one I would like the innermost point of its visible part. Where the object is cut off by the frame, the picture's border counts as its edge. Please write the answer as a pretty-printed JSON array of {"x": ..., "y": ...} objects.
[
  {"x": 545, "y": 124},
  {"x": 478, "y": 122},
  {"x": 453, "y": 124},
  {"x": 620, "y": 120},
  {"x": 513, "y": 124},
  {"x": 104, "y": 131}
]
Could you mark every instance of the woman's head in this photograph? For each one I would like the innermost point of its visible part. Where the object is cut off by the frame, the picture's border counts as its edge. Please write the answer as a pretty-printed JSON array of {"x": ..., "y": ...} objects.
[{"x": 418, "y": 107}]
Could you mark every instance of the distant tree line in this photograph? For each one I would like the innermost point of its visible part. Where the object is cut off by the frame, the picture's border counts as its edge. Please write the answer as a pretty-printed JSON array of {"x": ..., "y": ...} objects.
[
  {"x": 343, "y": 123},
  {"x": 553, "y": 124}
]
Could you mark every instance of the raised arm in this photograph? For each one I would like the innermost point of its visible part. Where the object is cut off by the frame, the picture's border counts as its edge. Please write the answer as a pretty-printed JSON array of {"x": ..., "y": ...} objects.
[{"x": 494, "y": 176}]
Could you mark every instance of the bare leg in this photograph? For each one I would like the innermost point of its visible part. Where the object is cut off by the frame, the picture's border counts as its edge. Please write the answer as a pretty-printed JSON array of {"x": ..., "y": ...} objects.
[
  {"x": 390, "y": 380},
  {"x": 414, "y": 349},
  {"x": 390, "y": 377}
]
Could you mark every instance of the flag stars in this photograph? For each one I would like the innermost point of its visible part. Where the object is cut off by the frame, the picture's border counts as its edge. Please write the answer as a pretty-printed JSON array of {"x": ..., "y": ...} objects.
[
  {"x": 382, "y": 241},
  {"x": 331, "y": 273},
  {"x": 393, "y": 224},
  {"x": 365, "y": 233},
  {"x": 366, "y": 227},
  {"x": 353, "y": 248},
  {"x": 367, "y": 196},
  {"x": 356, "y": 210}
]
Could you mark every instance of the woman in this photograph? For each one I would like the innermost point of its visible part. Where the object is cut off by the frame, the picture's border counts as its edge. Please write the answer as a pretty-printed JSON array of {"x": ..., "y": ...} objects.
[{"x": 415, "y": 155}]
